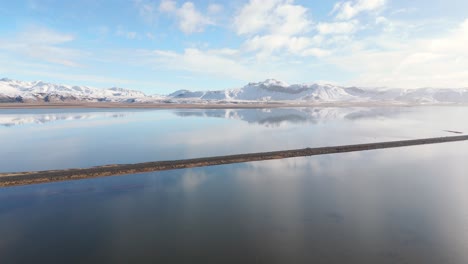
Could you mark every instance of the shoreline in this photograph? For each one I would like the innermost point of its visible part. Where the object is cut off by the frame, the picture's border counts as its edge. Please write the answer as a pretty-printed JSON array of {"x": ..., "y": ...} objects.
[
  {"x": 36, "y": 177},
  {"x": 233, "y": 105}
]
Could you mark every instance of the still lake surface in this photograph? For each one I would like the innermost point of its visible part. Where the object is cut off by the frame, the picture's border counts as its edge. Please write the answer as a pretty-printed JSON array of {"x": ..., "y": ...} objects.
[{"x": 407, "y": 205}]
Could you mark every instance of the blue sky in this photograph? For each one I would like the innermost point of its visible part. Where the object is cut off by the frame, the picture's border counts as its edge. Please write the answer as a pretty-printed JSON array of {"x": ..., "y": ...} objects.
[{"x": 161, "y": 46}]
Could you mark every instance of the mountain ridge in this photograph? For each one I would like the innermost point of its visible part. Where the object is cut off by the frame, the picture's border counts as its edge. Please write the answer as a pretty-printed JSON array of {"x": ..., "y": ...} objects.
[{"x": 270, "y": 90}]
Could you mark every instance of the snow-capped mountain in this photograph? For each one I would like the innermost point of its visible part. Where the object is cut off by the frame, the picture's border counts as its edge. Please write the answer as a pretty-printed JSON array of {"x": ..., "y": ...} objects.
[
  {"x": 38, "y": 91},
  {"x": 273, "y": 90},
  {"x": 268, "y": 91}
]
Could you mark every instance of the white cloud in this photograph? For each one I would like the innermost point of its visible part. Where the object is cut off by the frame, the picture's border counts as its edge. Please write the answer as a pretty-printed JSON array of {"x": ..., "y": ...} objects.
[
  {"x": 316, "y": 52},
  {"x": 349, "y": 9},
  {"x": 167, "y": 6},
  {"x": 229, "y": 64},
  {"x": 272, "y": 16},
  {"x": 254, "y": 16},
  {"x": 101, "y": 31},
  {"x": 190, "y": 20},
  {"x": 121, "y": 32},
  {"x": 58, "y": 55},
  {"x": 43, "y": 35},
  {"x": 278, "y": 39},
  {"x": 273, "y": 26},
  {"x": 225, "y": 51},
  {"x": 215, "y": 62},
  {"x": 382, "y": 21},
  {"x": 147, "y": 10},
  {"x": 347, "y": 27},
  {"x": 270, "y": 43},
  {"x": 383, "y": 60},
  {"x": 215, "y": 8},
  {"x": 43, "y": 44},
  {"x": 150, "y": 35},
  {"x": 291, "y": 19}
]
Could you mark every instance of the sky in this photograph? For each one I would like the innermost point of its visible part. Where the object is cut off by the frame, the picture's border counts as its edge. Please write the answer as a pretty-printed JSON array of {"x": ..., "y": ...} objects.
[{"x": 158, "y": 46}]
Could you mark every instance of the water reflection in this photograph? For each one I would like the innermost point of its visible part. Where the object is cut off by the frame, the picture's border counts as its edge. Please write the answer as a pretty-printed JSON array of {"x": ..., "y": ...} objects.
[
  {"x": 385, "y": 206},
  {"x": 314, "y": 115},
  {"x": 267, "y": 117},
  {"x": 70, "y": 138},
  {"x": 9, "y": 120}
]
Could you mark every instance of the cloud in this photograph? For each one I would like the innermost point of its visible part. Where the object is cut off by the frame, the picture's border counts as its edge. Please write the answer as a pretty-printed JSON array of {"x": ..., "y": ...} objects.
[
  {"x": 101, "y": 31},
  {"x": 232, "y": 64},
  {"x": 121, "y": 32},
  {"x": 254, "y": 16},
  {"x": 347, "y": 27},
  {"x": 384, "y": 60},
  {"x": 380, "y": 59},
  {"x": 316, "y": 52},
  {"x": 189, "y": 19},
  {"x": 215, "y": 8},
  {"x": 147, "y": 10},
  {"x": 150, "y": 35},
  {"x": 277, "y": 31},
  {"x": 273, "y": 26},
  {"x": 167, "y": 6},
  {"x": 43, "y": 35},
  {"x": 43, "y": 44},
  {"x": 272, "y": 16},
  {"x": 214, "y": 62},
  {"x": 268, "y": 39},
  {"x": 270, "y": 43},
  {"x": 350, "y": 9}
]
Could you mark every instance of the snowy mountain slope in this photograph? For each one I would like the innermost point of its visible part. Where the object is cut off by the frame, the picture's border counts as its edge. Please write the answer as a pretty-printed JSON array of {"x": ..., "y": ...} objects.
[
  {"x": 422, "y": 95},
  {"x": 279, "y": 91},
  {"x": 269, "y": 90},
  {"x": 19, "y": 91},
  {"x": 273, "y": 90}
]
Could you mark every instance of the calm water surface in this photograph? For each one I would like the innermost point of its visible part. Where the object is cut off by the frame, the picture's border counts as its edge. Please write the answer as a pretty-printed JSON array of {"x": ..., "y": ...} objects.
[
  {"x": 407, "y": 205},
  {"x": 65, "y": 138}
]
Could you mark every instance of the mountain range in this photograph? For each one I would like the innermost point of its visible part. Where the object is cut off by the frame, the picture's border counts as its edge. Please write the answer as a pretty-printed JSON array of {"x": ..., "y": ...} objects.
[{"x": 270, "y": 90}]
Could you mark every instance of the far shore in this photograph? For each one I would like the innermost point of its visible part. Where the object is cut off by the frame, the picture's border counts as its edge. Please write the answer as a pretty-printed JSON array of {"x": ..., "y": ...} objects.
[{"x": 209, "y": 105}]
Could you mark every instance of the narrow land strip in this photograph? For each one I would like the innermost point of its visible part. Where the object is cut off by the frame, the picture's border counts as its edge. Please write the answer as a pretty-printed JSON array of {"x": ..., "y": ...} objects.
[{"x": 24, "y": 178}]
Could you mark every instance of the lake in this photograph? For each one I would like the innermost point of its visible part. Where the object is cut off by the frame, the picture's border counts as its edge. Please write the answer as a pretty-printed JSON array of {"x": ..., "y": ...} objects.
[
  {"x": 406, "y": 205},
  {"x": 44, "y": 139}
]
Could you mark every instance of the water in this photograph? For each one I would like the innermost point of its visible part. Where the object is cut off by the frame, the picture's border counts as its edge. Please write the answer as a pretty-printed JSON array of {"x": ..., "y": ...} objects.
[
  {"x": 406, "y": 205},
  {"x": 69, "y": 138}
]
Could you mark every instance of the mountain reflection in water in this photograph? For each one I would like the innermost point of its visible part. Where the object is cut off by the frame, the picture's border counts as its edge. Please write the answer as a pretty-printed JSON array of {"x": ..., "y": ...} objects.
[{"x": 276, "y": 116}]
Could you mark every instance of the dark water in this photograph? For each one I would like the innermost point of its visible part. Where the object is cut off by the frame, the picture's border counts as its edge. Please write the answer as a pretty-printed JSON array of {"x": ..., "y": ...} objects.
[{"x": 406, "y": 205}]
